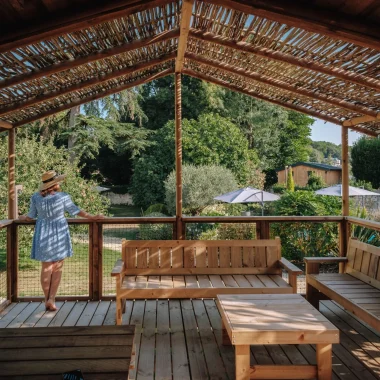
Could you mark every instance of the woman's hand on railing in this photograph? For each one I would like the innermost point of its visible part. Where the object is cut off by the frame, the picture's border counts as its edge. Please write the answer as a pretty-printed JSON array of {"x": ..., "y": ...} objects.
[
  {"x": 25, "y": 218},
  {"x": 86, "y": 215}
]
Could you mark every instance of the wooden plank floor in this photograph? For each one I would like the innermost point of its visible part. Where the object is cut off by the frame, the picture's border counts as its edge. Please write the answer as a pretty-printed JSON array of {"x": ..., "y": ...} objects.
[{"x": 181, "y": 339}]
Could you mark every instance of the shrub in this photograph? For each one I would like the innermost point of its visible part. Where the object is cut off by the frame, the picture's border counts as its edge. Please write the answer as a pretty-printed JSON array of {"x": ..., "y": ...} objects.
[
  {"x": 307, "y": 239},
  {"x": 315, "y": 182},
  {"x": 156, "y": 231},
  {"x": 200, "y": 185}
]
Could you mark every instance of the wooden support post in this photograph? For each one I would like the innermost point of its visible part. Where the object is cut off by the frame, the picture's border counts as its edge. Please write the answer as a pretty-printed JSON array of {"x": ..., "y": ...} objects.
[
  {"x": 242, "y": 363},
  {"x": 91, "y": 261},
  {"x": 12, "y": 262},
  {"x": 100, "y": 260},
  {"x": 96, "y": 277},
  {"x": 178, "y": 151},
  {"x": 324, "y": 361},
  {"x": 262, "y": 229},
  {"x": 312, "y": 294},
  {"x": 12, "y": 174},
  {"x": 343, "y": 241},
  {"x": 345, "y": 177}
]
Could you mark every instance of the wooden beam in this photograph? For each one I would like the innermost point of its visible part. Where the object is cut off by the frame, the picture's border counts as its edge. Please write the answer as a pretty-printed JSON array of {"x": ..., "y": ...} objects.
[
  {"x": 245, "y": 47},
  {"x": 91, "y": 98},
  {"x": 291, "y": 106},
  {"x": 70, "y": 64},
  {"x": 178, "y": 153},
  {"x": 360, "y": 120},
  {"x": 92, "y": 82},
  {"x": 345, "y": 174},
  {"x": 334, "y": 24},
  {"x": 280, "y": 84},
  {"x": 5, "y": 125},
  {"x": 186, "y": 13},
  {"x": 75, "y": 19},
  {"x": 12, "y": 174}
]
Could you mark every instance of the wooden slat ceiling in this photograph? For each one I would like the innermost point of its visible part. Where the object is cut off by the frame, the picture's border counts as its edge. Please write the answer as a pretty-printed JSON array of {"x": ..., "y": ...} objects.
[{"x": 320, "y": 57}]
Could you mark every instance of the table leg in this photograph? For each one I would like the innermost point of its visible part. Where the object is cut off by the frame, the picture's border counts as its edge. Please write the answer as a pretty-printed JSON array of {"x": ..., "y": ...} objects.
[
  {"x": 225, "y": 338},
  {"x": 324, "y": 361},
  {"x": 242, "y": 363}
]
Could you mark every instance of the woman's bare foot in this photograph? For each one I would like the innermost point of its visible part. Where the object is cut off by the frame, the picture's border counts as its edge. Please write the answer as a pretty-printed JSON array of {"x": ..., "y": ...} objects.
[{"x": 50, "y": 306}]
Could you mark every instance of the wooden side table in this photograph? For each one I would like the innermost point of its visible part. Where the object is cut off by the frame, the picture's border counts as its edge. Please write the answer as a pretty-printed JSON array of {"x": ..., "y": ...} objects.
[{"x": 276, "y": 319}]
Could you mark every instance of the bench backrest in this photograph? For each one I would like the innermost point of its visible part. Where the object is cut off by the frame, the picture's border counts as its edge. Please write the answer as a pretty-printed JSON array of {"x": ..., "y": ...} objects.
[
  {"x": 201, "y": 256},
  {"x": 364, "y": 262}
]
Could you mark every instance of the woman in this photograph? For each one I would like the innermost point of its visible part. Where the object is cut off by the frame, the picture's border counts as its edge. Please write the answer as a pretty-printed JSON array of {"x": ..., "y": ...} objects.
[{"x": 51, "y": 241}]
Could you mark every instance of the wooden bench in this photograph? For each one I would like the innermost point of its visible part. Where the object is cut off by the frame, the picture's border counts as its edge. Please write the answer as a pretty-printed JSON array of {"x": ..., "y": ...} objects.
[
  {"x": 357, "y": 289},
  {"x": 152, "y": 269},
  {"x": 100, "y": 352}
]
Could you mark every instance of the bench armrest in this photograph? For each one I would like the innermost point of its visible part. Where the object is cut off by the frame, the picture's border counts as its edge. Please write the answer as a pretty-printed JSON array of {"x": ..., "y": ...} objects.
[
  {"x": 289, "y": 267},
  {"x": 118, "y": 269},
  {"x": 320, "y": 260}
]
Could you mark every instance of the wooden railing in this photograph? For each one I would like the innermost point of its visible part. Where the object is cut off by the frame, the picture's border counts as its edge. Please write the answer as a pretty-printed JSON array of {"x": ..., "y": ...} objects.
[{"x": 97, "y": 246}]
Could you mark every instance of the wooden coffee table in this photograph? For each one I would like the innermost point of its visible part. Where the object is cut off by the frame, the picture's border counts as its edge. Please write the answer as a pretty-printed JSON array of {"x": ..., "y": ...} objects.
[{"x": 276, "y": 319}]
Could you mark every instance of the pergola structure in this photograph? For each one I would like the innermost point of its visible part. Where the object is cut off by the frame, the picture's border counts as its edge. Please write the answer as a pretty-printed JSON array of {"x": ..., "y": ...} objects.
[{"x": 317, "y": 57}]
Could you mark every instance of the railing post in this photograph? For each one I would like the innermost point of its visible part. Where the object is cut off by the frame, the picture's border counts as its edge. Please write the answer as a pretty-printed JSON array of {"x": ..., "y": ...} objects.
[
  {"x": 100, "y": 259},
  {"x": 262, "y": 229},
  {"x": 344, "y": 236},
  {"x": 12, "y": 262},
  {"x": 94, "y": 266}
]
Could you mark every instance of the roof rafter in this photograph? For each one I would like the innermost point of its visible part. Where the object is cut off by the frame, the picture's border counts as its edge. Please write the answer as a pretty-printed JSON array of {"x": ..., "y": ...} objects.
[
  {"x": 5, "y": 125},
  {"x": 94, "y": 81},
  {"x": 291, "y": 106},
  {"x": 359, "y": 120},
  {"x": 62, "y": 24},
  {"x": 71, "y": 64},
  {"x": 280, "y": 84},
  {"x": 287, "y": 58},
  {"x": 310, "y": 18},
  {"x": 186, "y": 12},
  {"x": 91, "y": 98}
]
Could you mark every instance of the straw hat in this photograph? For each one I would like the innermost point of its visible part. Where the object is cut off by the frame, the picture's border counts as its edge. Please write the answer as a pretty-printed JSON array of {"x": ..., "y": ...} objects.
[{"x": 50, "y": 178}]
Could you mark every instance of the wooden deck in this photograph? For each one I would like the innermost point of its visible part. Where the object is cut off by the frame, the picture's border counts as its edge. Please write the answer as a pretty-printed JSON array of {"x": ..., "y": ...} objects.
[{"x": 183, "y": 339}]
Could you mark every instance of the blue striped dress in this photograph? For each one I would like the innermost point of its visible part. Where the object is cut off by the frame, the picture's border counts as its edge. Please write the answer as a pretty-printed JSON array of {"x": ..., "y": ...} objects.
[{"x": 51, "y": 240}]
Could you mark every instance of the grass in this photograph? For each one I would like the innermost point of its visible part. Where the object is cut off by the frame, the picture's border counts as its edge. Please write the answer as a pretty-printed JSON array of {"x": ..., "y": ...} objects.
[{"x": 124, "y": 210}]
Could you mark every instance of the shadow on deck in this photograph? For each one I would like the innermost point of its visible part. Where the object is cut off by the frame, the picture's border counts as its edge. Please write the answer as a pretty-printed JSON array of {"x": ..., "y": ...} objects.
[{"x": 183, "y": 339}]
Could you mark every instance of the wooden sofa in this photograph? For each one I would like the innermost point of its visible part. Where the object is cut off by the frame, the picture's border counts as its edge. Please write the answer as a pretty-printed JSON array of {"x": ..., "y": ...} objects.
[
  {"x": 357, "y": 289},
  {"x": 200, "y": 269}
]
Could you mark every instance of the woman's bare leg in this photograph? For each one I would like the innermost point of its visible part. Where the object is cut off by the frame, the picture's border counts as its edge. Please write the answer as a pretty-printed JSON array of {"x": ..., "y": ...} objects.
[
  {"x": 46, "y": 274},
  {"x": 54, "y": 284}
]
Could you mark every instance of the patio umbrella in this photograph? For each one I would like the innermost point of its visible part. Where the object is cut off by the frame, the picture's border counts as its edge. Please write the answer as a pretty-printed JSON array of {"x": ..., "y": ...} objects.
[
  {"x": 352, "y": 191},
  {"x": 248, "y": 195}
]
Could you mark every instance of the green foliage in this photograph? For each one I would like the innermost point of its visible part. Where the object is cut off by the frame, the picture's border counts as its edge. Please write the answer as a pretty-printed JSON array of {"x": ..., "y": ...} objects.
[
  {"x": 362, "y": 184},
  {"x": 271, "y": 178},
  {"x": 364, "y": 234},
  {"x": 279, "y": 188},
  {"x": 211, "y": 140},
  {"x": 294, "y": 139},
  {"x": 159, "y": 207},
  {"x": 290, "y": 180},
  {"x": 365, "y": 158},
  {"x": 315, "y": 182},
  {"x": 325, "y": 149},
  {"x": 200, "y": 184},
  {"x": 306, "y": 239},
  {"x": 156, "y": 231}
]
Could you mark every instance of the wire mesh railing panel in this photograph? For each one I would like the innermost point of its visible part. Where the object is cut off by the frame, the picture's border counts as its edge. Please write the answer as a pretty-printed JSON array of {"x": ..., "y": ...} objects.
[
  {"x": 220, "y": 231},
  {"x": 112, "y": 237},
  {"x": 28, "y": 269},
  {"x": 75, "y": 275},
  {"x": 3, "y": 265}
]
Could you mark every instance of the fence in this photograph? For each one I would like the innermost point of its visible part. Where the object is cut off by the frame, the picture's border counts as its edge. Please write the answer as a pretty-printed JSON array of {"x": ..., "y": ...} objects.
[{"x": 97, "y": 245}]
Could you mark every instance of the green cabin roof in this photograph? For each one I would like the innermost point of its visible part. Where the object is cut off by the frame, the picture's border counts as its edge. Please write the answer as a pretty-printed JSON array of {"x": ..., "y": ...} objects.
[{"x": 315, "y": 165}]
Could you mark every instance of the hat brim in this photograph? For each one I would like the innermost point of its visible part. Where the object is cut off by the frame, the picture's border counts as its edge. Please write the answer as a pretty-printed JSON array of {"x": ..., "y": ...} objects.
[{"x": 58, "y": 179}]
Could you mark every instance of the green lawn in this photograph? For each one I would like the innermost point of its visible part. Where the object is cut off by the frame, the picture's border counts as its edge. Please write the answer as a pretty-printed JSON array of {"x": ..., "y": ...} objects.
[{"x": 124, "y": 210}]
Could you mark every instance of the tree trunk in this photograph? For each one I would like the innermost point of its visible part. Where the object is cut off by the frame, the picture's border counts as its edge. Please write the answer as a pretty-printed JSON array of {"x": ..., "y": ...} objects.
[{"x": 72, "y": 138}]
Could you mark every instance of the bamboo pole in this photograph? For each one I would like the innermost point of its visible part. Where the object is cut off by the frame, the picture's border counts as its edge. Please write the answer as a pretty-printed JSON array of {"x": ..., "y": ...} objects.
[
  {"x": 178, "y": 150},
  {"x": 345, "y": 176},
  {"x": 12, "y": 174}
]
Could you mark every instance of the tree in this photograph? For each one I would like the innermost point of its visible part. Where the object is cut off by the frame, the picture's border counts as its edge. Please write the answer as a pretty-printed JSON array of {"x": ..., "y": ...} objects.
[
  {"x": 209, "y": 140},
  {"x": 365, "y": 158},
  {"x": 200, "y": 185},
  {"x": 294, "y": 139},
  {"x": 289, "y": 180},
  {"x": 315, "y": 182},
  {"x": 33, "y": 158}
]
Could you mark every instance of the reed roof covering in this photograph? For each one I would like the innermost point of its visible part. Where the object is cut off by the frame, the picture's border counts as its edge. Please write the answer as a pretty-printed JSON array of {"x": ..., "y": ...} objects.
[{"x": 315, "y": 56}]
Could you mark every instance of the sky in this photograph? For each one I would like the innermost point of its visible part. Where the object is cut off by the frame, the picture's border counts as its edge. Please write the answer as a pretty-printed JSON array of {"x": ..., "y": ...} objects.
[{"x": 323, "y": 131}]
